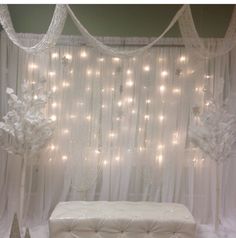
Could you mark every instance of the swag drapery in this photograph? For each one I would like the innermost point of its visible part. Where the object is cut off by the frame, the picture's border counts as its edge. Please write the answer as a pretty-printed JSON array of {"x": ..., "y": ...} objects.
[{"x": 121, "y": 127}]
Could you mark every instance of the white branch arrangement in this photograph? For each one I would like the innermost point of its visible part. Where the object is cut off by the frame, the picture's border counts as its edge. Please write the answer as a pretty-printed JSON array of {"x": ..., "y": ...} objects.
[
  {"x": 25, "y": 129},
  {"x": 215, "y": 135}
]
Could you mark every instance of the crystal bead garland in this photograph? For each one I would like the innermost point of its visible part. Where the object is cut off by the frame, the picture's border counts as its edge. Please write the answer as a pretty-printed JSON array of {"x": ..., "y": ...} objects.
[{"x": 49, "y": 39}]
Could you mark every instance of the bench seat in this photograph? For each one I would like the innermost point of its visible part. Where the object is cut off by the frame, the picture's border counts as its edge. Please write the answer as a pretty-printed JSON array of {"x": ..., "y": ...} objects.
[{"x": 123, "y": 219}]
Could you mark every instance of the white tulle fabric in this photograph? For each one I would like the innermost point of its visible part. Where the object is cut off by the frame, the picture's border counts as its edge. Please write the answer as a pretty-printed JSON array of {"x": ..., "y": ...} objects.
[
  {"x": 208, "y": 49},
  {"x": 189, "y": 33},
  {"x": 48, "y": 40},
  {"x": 104, "y": 150}
]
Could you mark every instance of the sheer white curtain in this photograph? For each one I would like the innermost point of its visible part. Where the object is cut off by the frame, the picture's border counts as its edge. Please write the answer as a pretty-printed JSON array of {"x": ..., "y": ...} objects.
[{"x": 121, "y": 128}]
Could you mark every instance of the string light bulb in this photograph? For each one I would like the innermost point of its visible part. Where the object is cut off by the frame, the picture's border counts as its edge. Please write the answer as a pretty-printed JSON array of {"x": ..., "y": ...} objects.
[
  {"x": 146, "y": 68},
  {"x": 33, "y": 66},
  {"x": 83, "y": 54},
  {"x": 52, "y": 147},
  {"x": 129, "y": 72},
  {"x": 119, "y": 104},
  {"x": 54, "y": 89},
  {"x": 182, "y": 58},
  {"x": 55, "y": 55},
  {"x": 176, "y": 90},
  {"x": 116, "y": 59},
  {"x": 52, "y": 73},
  {"x": 68, "y": 56},
  {"x": 159, "y": 158},
  {"x": 161, "y": 118},
  {"x": 117, "y": 158},
  {"x": 53, "y": 117},
  {"x": 164, "y": 73},
  {"x": 54, "y": 104},
  {"x": 129, "y": 83},
  {"x": 64, "y": 157},
  {"x": 162, "y": 88}
]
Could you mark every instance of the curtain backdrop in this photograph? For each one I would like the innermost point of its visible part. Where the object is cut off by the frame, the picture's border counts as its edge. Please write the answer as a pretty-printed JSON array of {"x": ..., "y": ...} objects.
[{"x": 121, "y": 128}]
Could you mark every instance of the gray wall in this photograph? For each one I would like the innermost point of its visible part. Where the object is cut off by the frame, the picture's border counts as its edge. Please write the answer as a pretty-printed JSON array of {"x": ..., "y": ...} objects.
[{"x": 123, "y": 20}]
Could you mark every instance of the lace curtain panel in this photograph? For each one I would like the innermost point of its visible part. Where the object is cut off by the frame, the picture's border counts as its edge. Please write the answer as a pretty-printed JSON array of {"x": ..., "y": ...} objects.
[{"x": 121, "y": 127}]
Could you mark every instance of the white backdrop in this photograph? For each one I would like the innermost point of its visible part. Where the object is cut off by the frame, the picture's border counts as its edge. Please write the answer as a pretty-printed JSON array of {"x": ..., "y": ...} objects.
[{"x": 121, "y": 128}]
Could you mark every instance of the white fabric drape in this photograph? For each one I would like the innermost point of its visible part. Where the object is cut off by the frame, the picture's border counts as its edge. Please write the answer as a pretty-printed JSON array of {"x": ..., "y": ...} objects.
[{"x": 121, "y": 129}]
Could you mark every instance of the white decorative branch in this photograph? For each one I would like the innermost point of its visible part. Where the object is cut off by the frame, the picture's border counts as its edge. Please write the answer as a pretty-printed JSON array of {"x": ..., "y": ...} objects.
[
  {"x": 25, "y": 129},
  {"x": 215, "y": 135}
]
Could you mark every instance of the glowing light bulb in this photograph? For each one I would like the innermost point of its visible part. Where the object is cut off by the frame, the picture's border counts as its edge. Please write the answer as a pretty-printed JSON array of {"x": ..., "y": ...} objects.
[
  {"x": 119, "y": 104},
  {"x": 161, "y": 118},
  {"x": 52, "y": 73},
  {"x": 148, "y": 101},
  {"x": 160, "y": 147},
  {"x": 129, "y": 100},
  {"x": 112, "y": 89},
  {"x": 164, "y": 73},
  {"x": 208, "y": 103},
  {"x": 199, "y": 89},
  {"x": 68, "y": 56},
  {"x": 146, "y": 68},
  {"x": 83, "y": 54},
  {"x": 101, "y": 59},
  {"x": 129, "y": 72},
  {"x": 162, "y": 88},
  {"x": 129, "y": 83},
  {"x": 54, "y": 104},
  {"x": 33, "y": 66},
  {"x": 55, "y": 55},
  {"x": 116, "y": 59},
  {"x": 113, "y": 73},
  {"x": 65, "y": 131},
  {"x": 133, "y": 111},
  {"x": 118, "y": 119},
  {"x": 117, "y": 158},
  {"x": 176, "y": 90},
  {"x": 64, "y": 157},
  {"x": 35, "y": 97},
  {"x": 141, "y": 148},
  {"x": 103, "y": 106},
  {"x": 65, "y": 84},
  {"x": 88, "y": 117},
  {"x": 89, "y": 71},
  {"x": 159, "y": 158},
  {"x": 97, "y": 152},
  {"x": 207, "y": 76},
  {"x": 146, "y": 117},
  {"x": 182, "y": 58},
  {"x": 111, "y": 135},
  {"x": 52, "y": 147},
  {"x": 54, "y": 89},
  {"x": 53, "y": 118},
  {"x": 105, "y": 162},
  {"x": 71, "y": 71}
]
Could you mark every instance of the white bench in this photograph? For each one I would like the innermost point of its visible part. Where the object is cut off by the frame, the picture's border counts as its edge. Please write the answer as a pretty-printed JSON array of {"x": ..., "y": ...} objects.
[{"x": 121, "y": 220}]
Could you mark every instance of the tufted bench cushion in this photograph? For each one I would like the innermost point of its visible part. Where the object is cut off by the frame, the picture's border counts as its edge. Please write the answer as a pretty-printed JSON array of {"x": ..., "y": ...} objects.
[{"x": 121, "y": 220}]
